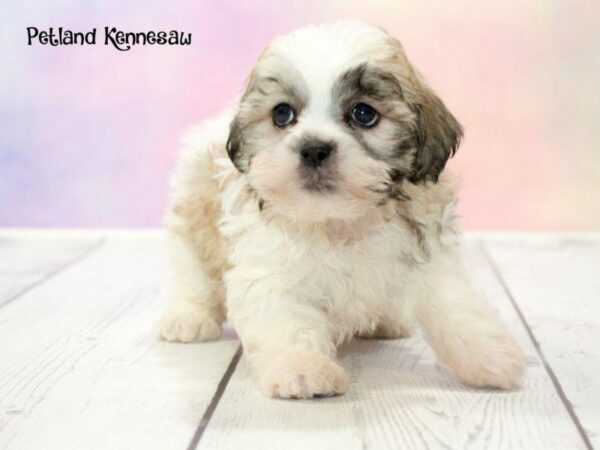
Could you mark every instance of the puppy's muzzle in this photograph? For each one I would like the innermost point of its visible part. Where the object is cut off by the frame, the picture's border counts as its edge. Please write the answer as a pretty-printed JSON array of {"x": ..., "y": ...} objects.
[{"x": 315, "y": 154}]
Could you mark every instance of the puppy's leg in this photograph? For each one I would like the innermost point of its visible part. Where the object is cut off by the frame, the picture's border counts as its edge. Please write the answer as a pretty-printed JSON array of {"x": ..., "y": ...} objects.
[
  {"x": 288, "y": 372},
  {"x": 465, "y": 332},
  {"x": 287, "y": 342},
  {"x": 195, "y": 243},
  {"x": 196, "y": 313}
]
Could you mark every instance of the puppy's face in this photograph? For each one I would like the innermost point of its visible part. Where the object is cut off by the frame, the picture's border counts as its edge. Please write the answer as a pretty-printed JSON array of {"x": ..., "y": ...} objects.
[{"x": 333, "y": 119}]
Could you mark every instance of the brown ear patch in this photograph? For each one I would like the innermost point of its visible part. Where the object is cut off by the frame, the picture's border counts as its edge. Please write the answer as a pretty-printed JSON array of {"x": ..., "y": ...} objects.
[
  {"x": 234, "y": 143},
  {"x": 438, "y": 136}
]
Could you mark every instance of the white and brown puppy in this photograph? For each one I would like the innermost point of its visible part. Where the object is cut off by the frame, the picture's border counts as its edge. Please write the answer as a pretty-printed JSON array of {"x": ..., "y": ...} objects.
[{"x": 315, "y": 211}]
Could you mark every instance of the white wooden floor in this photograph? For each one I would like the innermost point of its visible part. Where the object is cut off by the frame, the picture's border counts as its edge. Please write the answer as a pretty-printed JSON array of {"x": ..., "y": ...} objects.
[{"x": 81, "y": 367}]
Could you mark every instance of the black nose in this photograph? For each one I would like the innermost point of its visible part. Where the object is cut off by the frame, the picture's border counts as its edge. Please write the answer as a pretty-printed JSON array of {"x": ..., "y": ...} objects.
[{"x": 315, "y": 154}]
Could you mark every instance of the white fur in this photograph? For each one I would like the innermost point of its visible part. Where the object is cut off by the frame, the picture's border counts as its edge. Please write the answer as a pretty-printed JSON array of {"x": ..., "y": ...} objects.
[{"x": 295, "y": 289}]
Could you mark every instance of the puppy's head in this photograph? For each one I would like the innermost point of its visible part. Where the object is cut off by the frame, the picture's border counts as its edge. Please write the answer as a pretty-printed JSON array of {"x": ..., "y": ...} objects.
[{"x": 333, "y": 119}]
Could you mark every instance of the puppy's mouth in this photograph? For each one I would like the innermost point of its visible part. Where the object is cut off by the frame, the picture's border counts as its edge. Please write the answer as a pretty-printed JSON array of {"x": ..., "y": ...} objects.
[{"x": 317, "y": 179}]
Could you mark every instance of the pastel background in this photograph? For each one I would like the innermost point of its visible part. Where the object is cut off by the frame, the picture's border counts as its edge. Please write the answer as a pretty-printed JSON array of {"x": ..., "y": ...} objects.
[{"x": 88, "y": 135}]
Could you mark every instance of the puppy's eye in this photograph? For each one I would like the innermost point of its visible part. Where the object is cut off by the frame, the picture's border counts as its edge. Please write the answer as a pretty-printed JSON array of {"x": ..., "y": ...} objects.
[
  {"x": 283, "y": 115},
  {"x": 364, "y": 115}
]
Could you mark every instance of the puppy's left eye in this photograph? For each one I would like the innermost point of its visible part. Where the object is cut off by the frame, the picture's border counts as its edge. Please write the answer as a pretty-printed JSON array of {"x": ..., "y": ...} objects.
[
  {"x": 364, "y": 115},
  {"x": 283, "y": 115}
]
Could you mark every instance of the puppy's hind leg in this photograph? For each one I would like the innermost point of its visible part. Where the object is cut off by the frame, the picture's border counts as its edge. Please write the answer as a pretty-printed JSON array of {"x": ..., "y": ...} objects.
[
  {"x": 197, "y": 311},
  {"x": 195, "y": 244}
]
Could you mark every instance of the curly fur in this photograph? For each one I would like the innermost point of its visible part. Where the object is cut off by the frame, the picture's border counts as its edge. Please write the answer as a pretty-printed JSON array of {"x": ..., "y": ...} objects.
[{"x": 299, "y": 271}]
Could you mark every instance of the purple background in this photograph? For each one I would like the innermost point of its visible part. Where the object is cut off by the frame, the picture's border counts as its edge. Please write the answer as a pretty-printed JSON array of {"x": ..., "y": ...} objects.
[{"x": 88, "y": 135}]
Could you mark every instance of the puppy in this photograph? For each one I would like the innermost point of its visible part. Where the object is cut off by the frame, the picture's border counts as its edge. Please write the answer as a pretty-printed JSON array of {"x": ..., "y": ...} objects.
[{"x": 316, "y": 210}]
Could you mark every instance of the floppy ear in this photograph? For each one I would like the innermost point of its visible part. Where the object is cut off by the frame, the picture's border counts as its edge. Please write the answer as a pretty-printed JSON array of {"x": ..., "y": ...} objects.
[
  {"x": 438, "y": 134},
  {"x": 235, "y": 143}
]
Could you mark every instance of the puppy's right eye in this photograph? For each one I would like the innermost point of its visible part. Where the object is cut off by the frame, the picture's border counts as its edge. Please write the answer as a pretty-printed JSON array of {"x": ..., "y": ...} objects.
[
  {"x": 364, "y": 115},
  {"x": 283, "y": 115}
]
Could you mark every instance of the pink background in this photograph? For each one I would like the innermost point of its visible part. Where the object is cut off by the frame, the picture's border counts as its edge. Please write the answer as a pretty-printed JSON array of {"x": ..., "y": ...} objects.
[{"x": 88, "y": 135}]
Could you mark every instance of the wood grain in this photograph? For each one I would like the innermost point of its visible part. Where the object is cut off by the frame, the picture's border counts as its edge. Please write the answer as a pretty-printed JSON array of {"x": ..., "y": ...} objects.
[
  {"x": 556, "y": 284},
  {"x": 401, "y": 398},
  {"x": 81, "y": 365},
  {"x": 28, "y": 261}
]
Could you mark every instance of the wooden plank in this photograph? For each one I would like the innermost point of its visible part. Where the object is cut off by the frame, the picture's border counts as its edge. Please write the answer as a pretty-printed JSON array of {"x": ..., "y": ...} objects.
[
  {"x": 401, "y": 398},
  {"x": 556, "y": 284},
  {"x": 27, "y": 261},
  {"x": 81, "y": 365}
]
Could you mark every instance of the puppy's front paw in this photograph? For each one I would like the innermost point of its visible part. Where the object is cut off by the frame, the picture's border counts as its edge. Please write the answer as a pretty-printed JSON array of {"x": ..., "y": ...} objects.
[
  {"x": 489, "y": 361},
  {"x": 189, "y": 325},
  {"x": 303, "y": 375}
]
